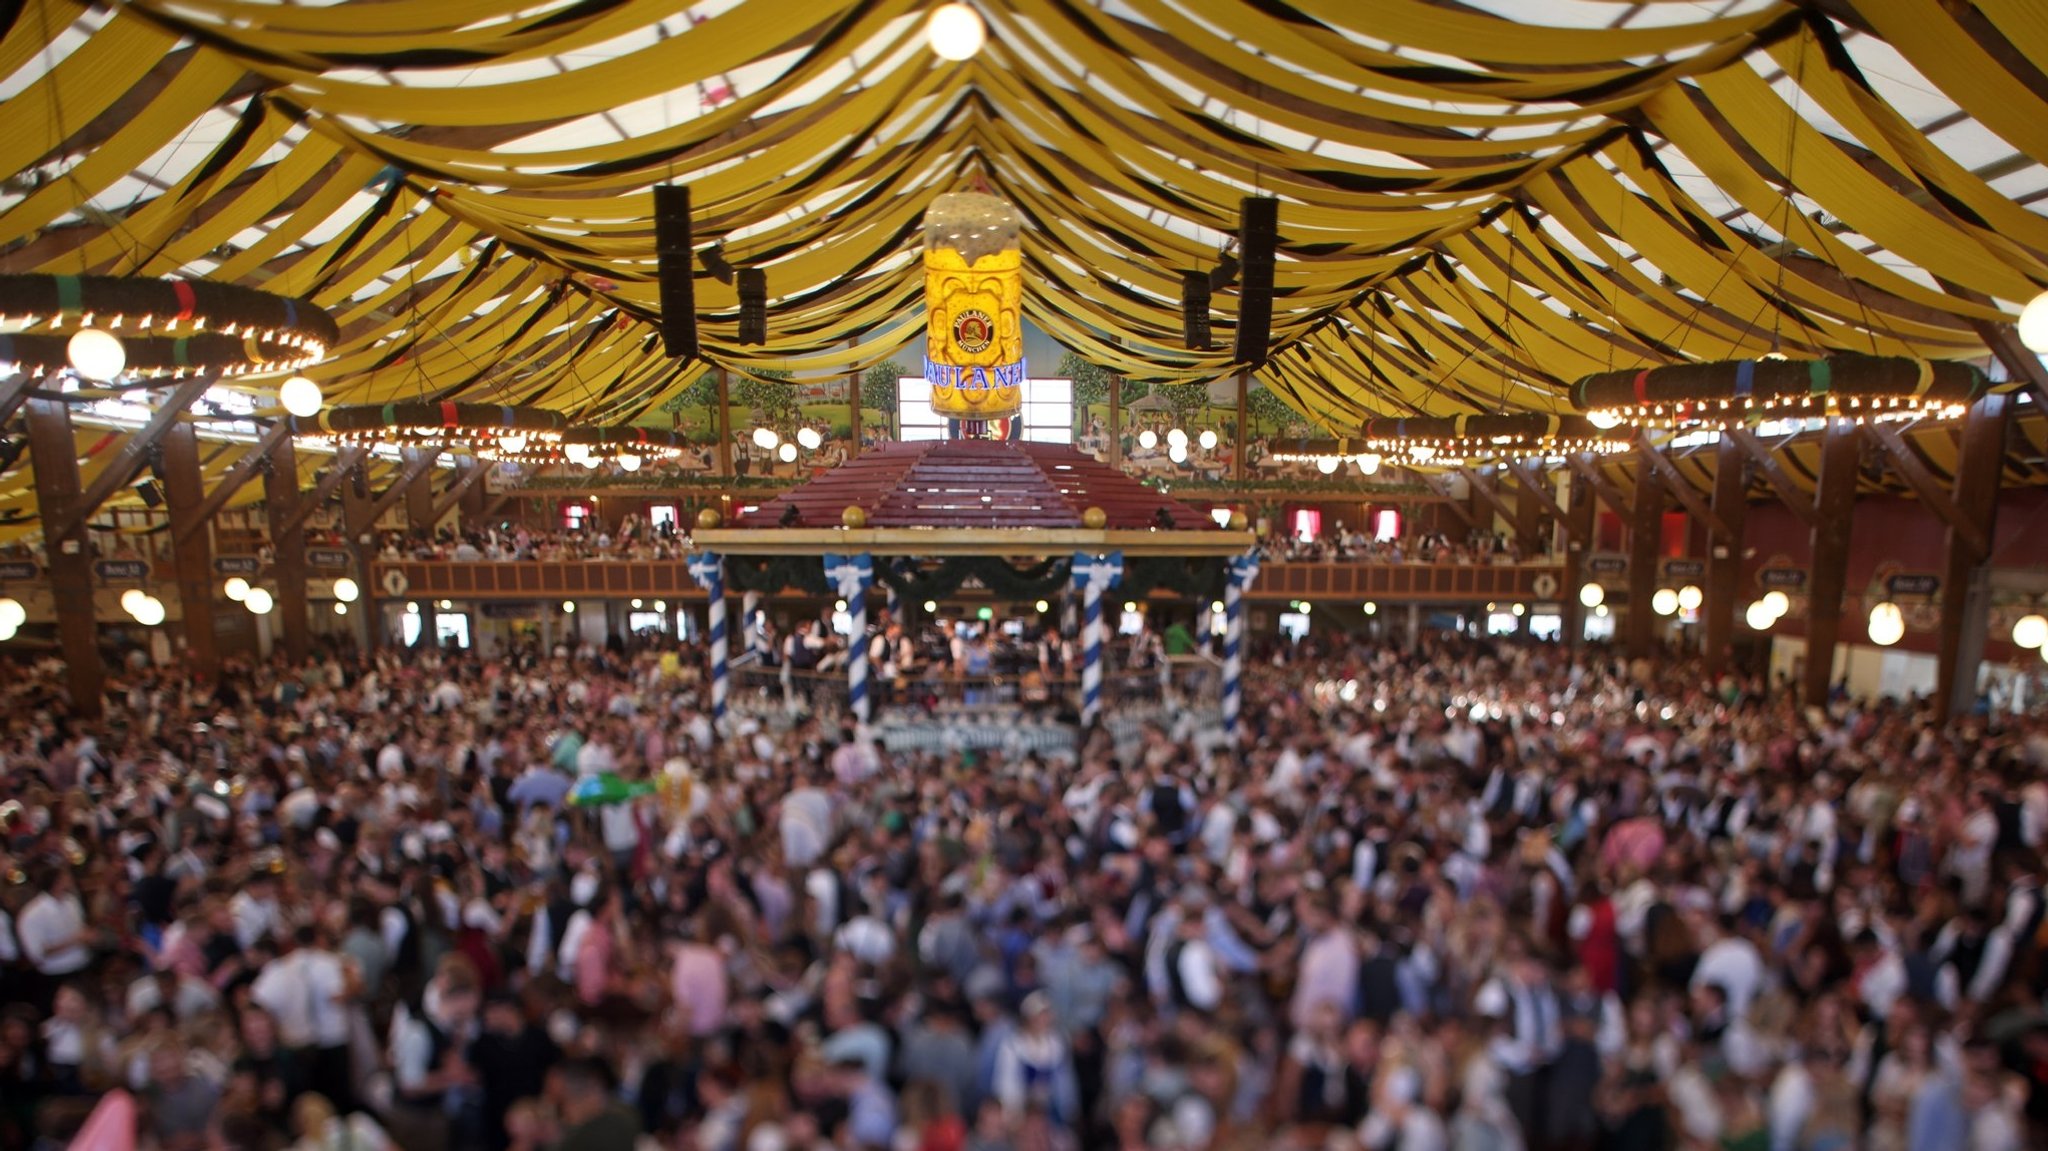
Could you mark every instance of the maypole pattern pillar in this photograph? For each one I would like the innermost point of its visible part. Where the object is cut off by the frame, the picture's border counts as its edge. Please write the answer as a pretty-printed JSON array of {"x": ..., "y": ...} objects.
[
  {"x": 1093, "y": 575},
  {"x": 853, "y": 575},
  {"x": 709, "y": 572},
  {"x": 1243, "y": 570}
]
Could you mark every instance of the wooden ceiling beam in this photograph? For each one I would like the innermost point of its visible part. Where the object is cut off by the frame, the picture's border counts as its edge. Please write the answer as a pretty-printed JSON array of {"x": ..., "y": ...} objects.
[
  {"x": 1906, "y": 463},
  {"x": 1774, "y": 474},
  {"x": 1681, "y": 489}
]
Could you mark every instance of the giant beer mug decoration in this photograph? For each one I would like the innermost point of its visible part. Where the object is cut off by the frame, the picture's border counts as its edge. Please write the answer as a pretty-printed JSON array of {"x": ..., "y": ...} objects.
[{"x": 973, "y": 298}]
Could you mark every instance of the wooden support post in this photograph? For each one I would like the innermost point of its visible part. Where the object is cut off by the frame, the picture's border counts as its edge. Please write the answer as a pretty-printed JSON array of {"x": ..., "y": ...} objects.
[
  {"x": 1773, "y": 473},
  {"x": 288, "y": 550},
  {"x": 853, "y": 416},
  {"x": 1578, "y": 520},
  {"x": 470, "y": 508},
  {"x": 1966, "y": 584},
  {"x": 345, "y": 462},
  {"x": 120, "y": 471},
  {"x": 245, "y": 468},
  {"x": 1645, "y": 537},
  {"x": 1528, "y": 522},
  {"x": 191, "y": 548},
  {"x": 359, "y": 522},
  {"x": 469, "y": 478},
  {"x": 419, "y": 494},
  {"x": 1244, "y": 436},
  {"x": 415, "y": 467},
  {"x": 1116, "y": 426},
  {"x": 1681, "y": 488},
  {"x": 722, "y": 420},
  {"x": 1834, "y": 505},
  {"x": 55, "y": 455},
  {"x": 1724, "y": 555},
  {"x": 1618, "y": 501},
  {"x": 1960, "y": 518},
  {"x": 1535, "y": 486}
]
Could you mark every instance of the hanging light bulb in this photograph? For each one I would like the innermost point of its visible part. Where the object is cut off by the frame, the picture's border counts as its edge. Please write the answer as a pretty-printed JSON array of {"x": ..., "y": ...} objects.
[
  {"x": 7, "y": 631},
  {"x": 131, "y": 598},
  {"x": 955, "y": 32},
  {"x": 2034, "y": 324},
  {"x": 1592, "y": 595},
  {"x": 1887, "y": 624},
  {"x": 809, "y": 439},
  {"x": 2031, "y": 631},
  {"x": 12, "y": 614},
  {"x": 1369, "y": 463},
  {"x": 1519, "y": 609},
  {"x": 345, "y": 590},
  {"x": 1178, "y": 453},
  {"x": 1148, "y": 439},
  {"x": 512, "y": 445},
  {"x": 1042, "y": 607},
  {"x": 569, "y": 607},
  {"x": 1326, "y": 465},
  {"x": 591, "y": 462},
  {"x": 766, "y": 439},
  {"x": 412, "y": 609},
  {"x": 258, "y": 601},
  {"x": 1422, "y": 452},
  {"x": 1759, "y": 615},
  {"x": 340, "y": 609},
  {"x": 1690, "y": 597},
  {"x": 1777, "y": 603},
  {"x": 786, "y": 453},
  {"x": 95, "y": 354},
  {"x": 629, "y": 461},
  {"x": 301, "y": 397},
  {"x": 576, "y": 453},
  {"x": 930, "y": 606},
  {"x": 236, "y": 588},
  {"x": 1603, "y": 419},
  {"x": 1664, "y": 602},
  {"x": 1176, "y": 438},
  {"x": 1371, "y": 608},
  {"x": 150, "y": 612},
  {"x": 1207, "y": 439}
]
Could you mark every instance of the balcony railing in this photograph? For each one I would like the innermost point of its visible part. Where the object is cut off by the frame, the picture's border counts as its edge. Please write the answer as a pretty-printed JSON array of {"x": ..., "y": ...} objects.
[{"x": 670, "y": 580}]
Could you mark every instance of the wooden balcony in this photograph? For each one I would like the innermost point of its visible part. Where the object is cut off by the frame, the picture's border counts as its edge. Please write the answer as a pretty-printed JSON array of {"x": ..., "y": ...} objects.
[{"x": 670, "y": 579}]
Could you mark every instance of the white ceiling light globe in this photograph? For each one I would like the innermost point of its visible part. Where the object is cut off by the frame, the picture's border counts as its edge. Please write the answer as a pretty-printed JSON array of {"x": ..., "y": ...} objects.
[
  {"x": 132, "y": 598},
  {"x": 786, "y": 453},
  {"x": 1148, "y": 439},
  {"x": 629, "y": 461},
  {"x": 340, "y": 609},
  {"x": 1592, "y": 595},
  {"x": 7, "y": 631},
  {"x": 1759, "y": 615},
  {"x": 1777, "y": 603},
  {"x": 1178, "y": 453},
  {"x": 1603, "y": 419},
  {"x": 1887, "y": 627},
  {"x": 150, "y": 612},
  {"x": 1207, "y": 439},
  {"x": 1664, "y": 602},
  {"x": 12, "y": 614},
  {"x": 2034, "y": 323},
  {"x": 955, "y": 32},
  {"x": 96, "y": 355},
  {"x": 590, "y": 461},
  {"x": 301, "y": 397},
  {"x": 809, "y": 440},
  {"x": 569, "y": 606},
  {"x": 1690, "y": 597},
  {"x": 236, "y": 588},
  {"x": 512, "y": 445},
  {"x": 345, "y": 590},
  {"x": 1326, "y": 465},
  {"x": 576, "y": 453},
  {"x": 2031, "y": 631},
  {"x": 1422, "y": 452},
  {"x": 1369, "y": 463},
  {"x": 258, "y": 601},
  {"x": 766, "y": 439},
  {"x": 1176, "y": 438}
]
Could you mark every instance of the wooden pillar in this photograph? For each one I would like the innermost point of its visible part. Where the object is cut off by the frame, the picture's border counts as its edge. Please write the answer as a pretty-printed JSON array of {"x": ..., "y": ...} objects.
[
  {"x": 192, "y": 548},
  {"x": 1724, "y": 556},
  {"x": 359, "y": 522},
  {"x": 1244, "y": 438},
  {"x": 288, "y": 549},
  {"x": 1835, "y": 500},
  {"x": 1116, "y": 424},
  {"x": 722, "y": 420},
  {"x": 55, "y": 455},
  {"x": 470, "y": 508},
  {"x": 1578, "y": 540},
  {"x": 1645, "y": 535},
  {"x": 419, "y": 497},
  {"x": 1528, "y": 521},
  {"x": 853, "y": 421},
  {"x": 1966, "y": 582}
]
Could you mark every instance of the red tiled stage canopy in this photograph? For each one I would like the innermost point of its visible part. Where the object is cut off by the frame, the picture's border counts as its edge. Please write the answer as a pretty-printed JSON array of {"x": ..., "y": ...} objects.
[
  {"x": 977, "y": 484},
  {"x": 974, "y": 497}
]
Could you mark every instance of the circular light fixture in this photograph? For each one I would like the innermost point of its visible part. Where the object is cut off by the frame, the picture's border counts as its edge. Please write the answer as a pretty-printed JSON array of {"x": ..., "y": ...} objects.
[
  {"x": 627, "y": 461},
  {"x": 1042, "y": 607},
  {"x": 1423, "y": 453},
  {"x": 1208, "y": 439},
  {"x": 412, "y": 609},
  {"x": 301, "y": 397},
  {"x": 1369, "y": 463},
  {"x": 258, "y": 601},
  {"x": 1777, "y": 603},
  {"x": 1483, "y": 436},
  {"x": 1887, "y": 624},
  {"x": 489, "y": 431},
  {"x": 1371, "y": 608},
  {"x": 12, "y": 614},
  {"x": 1592, "y": 595},
  {"x": 1690, "y": 597},
  {"x": 1307, "y": 607},
  {"x": 569, "y": 607},
  {"x": 2031, "y": 631},
  {"x": 838, "y": 605},
  {"x": 340, "y": 608},
  {"x": 1216, "y": 607},
  {"x": 766, "y": 439},
  {"x": 345, "y": 590},
  {"x": 1178, "y": 453},
  {"x": 444, "y": 605},
  {"x": 577, "y": 453},
  {"x": 809, "y": 439},
  {"x": 786, "y": 453},
  {"x": 1727, "y": 393},
  {"x": 930, "y": 607},
  {"x": 512, "y": 444},
  {"x": 1519, "y": 609},
  {"x": 1176, "y": 438},
  {"x": 1603, "y": 419},
  {"x": 7, "y": 631},
  {"x": 150, "y": 612},
  {"x": 1601, "y": 611},
  {"x": 1759, "y": 615},
  {"x": 661, "y": 605},
  {"x": 592, "y": 462},
  {"x": 236, "y": 588},
  {"x": 1148, "y": 439},
  {"x": 1664, "y": 602},
  {"x": 1130, "y": 605},
  {"x": 95, "y": 354},
  {"x": 955, "y": 32},
  {"x": 2033, "y": 328},
  {"x": 1326, "y": 465},
  {"x": 132, "y": 597}
]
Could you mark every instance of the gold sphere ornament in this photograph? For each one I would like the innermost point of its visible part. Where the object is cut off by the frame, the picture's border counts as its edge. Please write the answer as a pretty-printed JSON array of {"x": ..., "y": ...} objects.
[
  {"x": 855, "y": 516},
  {"x": 1095, "y": 519},
  {"x": 708, "y": 518},
  {"x": 1238, "y": 522}
]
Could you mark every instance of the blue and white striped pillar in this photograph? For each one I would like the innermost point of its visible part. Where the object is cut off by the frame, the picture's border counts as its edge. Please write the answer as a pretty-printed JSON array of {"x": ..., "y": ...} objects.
[
  {"x": 1238, "y": 579},
  {"x": 852, "y": 575},
  {"x": 1093, "y": 575},
  {"x": 709, "y": 572}
]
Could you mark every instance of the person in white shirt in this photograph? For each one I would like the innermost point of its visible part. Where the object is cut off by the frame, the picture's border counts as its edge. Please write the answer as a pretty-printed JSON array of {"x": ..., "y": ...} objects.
[
  {"x": 1730, "y": 962},
  {"x": 307, "y": 992},
  {"x": 256, "y": 911},
  {"x": 52, "y": 932}
]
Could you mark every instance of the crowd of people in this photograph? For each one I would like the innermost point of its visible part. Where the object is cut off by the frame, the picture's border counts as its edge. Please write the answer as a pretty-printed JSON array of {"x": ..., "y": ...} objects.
[{"x": 1482, "y": 897}]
